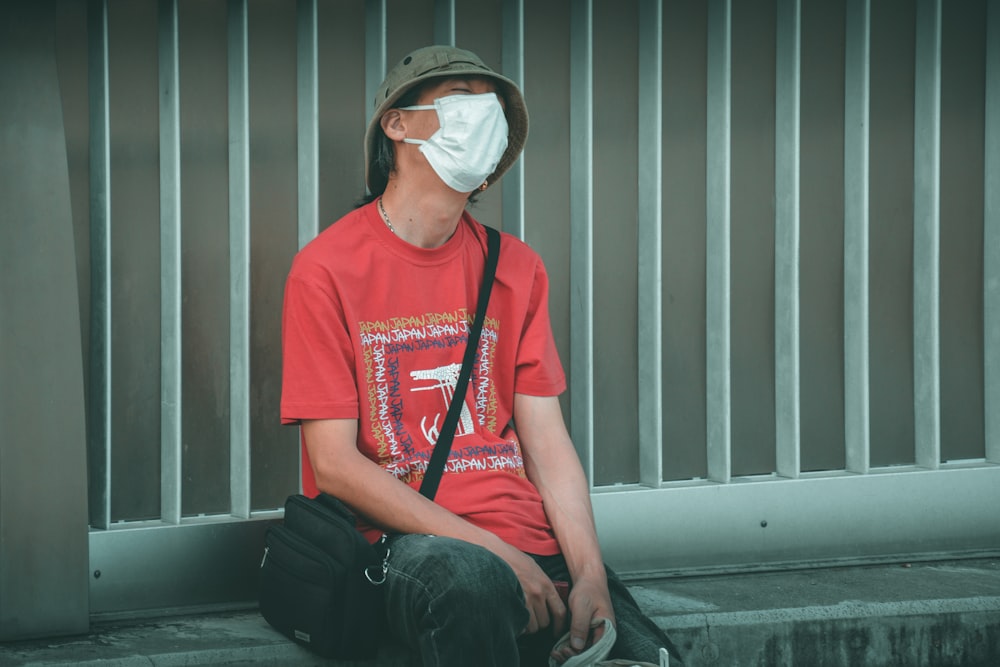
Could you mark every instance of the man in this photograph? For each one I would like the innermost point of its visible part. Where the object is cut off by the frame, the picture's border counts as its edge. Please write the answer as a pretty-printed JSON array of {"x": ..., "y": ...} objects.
[{"x": 376, "y": 317}]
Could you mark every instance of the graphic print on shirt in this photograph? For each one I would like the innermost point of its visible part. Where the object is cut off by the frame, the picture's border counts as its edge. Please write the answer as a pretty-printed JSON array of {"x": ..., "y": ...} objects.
[
  {"x": 444, "y": 379},
  {"x": 411, "y": 367}
]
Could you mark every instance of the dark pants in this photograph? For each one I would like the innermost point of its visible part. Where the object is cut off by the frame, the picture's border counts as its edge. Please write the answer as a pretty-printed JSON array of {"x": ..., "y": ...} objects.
[{"x": 455, "y": 603}]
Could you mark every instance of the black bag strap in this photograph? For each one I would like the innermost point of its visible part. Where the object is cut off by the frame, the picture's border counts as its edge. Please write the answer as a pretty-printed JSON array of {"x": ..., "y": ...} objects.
[{"x": 435, "y": 468}]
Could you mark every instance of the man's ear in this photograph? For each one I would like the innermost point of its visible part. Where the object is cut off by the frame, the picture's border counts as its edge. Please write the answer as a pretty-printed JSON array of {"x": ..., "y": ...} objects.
[{"x": 393, "y": 125}]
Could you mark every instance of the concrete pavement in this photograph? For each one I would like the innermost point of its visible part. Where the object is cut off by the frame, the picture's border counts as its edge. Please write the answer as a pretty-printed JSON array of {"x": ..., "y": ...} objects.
[{"x": 939, "y": 614}]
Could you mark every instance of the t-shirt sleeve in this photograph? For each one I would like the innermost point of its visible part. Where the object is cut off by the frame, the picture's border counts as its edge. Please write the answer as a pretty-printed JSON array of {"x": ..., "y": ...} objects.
[
  {"x": 539, "y": 371},
  {"x": 318, "y": 369}
]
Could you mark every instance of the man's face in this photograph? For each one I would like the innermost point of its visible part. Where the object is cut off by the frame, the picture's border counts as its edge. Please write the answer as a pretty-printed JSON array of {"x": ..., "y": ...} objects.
[
  {"x": 423, "y": 124},
  {"x": 455, "y": 86}
]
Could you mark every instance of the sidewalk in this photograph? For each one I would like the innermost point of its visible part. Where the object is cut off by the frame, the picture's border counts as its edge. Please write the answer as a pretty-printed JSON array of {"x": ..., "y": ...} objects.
[{"x": 939, "y": 614}]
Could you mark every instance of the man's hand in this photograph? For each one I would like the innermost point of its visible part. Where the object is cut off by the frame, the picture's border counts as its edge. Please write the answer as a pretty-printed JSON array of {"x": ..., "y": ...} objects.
[
  {"x": 589, "y": 602},
  {"x": 545, "y": 607}
]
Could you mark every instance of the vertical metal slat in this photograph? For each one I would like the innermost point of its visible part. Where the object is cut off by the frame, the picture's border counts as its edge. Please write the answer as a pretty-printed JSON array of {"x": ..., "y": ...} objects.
[
  {"x": 856, "y": 108},
  {"x": 99, "y": 419},
  {"x": 582, "y": 232},
  {"x": 375, "y": 51},
  {"x": 717, "y": 261},
  {"x": 170, "y": 266},
  {"x": 512, "y": 195},
  {"x": 926, "y": 235},
  {"x": 991, "y": 235},
  {"x": 239, "y": 259},
  {"x": 650, "y": 251},
  {"x": 308, "y": 117},
  {"x": 786, "y": 253},
  {"x": 444, "y": 22}
]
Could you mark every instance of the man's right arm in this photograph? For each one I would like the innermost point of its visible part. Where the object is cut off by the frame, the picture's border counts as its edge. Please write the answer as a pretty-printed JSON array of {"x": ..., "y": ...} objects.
[{"x": 342, "y": 471}]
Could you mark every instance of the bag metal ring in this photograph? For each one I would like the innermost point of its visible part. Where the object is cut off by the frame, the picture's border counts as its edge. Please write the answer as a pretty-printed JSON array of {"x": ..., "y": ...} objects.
[{"x": 385, "y": 569}]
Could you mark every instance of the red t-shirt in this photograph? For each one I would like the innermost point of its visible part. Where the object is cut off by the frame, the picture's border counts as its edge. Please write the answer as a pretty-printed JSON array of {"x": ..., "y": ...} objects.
[{"x": 375, "y": 328}]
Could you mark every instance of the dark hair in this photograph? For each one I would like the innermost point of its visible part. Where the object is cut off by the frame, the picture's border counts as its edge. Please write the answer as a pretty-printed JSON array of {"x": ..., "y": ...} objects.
[{"x": 383, "y": 157}]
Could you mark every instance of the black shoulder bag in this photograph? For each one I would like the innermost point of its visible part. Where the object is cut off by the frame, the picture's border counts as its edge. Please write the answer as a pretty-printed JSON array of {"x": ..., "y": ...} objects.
[{"x": 320, "y": 578}]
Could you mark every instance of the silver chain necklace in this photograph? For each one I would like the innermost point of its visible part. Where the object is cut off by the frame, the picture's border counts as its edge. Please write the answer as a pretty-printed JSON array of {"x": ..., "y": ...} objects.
[{"x": 385, "y": 216}]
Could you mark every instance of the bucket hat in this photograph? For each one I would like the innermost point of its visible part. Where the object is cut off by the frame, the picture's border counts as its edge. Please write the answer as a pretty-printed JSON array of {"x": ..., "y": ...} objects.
[{"x": 444, "y": 61}]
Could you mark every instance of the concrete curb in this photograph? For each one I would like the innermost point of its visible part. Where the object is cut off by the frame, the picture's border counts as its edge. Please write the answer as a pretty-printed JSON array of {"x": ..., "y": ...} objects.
[
  {"x": 931, "y": 614},
  {"x": 942, "y": 633}
]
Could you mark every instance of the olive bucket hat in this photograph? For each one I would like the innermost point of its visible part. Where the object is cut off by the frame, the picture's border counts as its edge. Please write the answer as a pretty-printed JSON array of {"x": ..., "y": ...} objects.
[{"x": 443, "y": 61}]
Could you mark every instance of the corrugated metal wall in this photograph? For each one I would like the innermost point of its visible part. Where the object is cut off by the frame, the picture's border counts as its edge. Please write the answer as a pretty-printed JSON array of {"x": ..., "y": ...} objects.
[{"x": 771, "y": 226}]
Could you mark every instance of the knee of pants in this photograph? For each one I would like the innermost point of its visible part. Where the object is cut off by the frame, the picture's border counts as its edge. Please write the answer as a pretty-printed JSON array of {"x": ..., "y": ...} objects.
[{"x": 456, "y": 573}]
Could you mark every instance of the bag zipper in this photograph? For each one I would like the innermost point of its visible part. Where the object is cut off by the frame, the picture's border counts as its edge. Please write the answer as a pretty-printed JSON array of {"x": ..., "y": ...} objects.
[{"x": 303, "y": 547}]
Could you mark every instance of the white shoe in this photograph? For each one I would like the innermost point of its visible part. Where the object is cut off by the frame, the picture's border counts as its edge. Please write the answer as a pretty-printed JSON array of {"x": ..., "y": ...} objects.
[
  {"x": 596, "y": 655},
  {"x": 664, "y": 662},
  {"x": 593, "y": 656}
]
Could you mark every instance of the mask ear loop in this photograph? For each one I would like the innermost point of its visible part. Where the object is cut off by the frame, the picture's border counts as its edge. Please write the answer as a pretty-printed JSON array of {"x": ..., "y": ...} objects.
[{"x": 417, "y": 107}]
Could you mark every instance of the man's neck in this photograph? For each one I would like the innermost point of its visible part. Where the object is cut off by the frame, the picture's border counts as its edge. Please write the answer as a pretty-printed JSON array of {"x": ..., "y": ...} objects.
[{"x": 425, "y": 215}]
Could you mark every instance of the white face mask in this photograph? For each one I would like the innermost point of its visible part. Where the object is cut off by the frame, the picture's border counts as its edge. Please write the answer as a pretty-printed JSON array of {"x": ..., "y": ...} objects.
[{"x": 470, "y": 142}]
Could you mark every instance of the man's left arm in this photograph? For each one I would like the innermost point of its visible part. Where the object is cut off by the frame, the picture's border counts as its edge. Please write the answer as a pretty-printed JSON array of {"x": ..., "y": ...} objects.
[{"x": 552, "y": 465}]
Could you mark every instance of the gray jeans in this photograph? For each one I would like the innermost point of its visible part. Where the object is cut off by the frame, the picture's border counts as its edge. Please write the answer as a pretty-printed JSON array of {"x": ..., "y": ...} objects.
[{"x": 454, "y": 603}]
